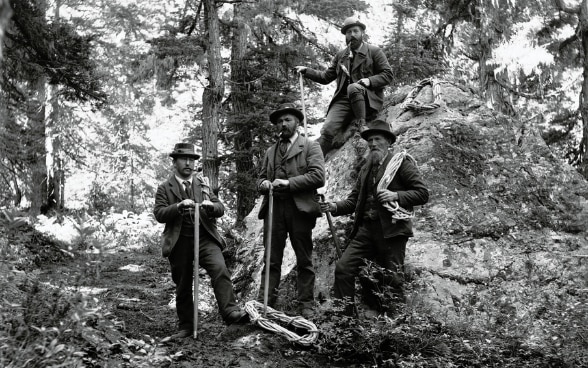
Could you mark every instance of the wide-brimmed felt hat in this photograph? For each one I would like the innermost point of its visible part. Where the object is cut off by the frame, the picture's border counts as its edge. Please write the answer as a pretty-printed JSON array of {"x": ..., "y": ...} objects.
[
  {"x": 350, "y": 22},
  {"x": 378, "y": 127},
  {"x": 184, "y": 150},
  {"x": 286, "y": 108}
]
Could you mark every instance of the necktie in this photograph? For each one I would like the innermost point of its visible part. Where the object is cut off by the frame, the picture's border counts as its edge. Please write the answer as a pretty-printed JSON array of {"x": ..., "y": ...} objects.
[
  {"x": 188, "y": 189},
  {"x": 375, "y": 170},
  {"x": 283, "y": 147}
]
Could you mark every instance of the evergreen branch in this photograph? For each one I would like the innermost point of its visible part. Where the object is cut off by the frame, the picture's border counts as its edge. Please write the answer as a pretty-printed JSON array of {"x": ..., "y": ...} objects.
[
  {"x": 567, "y": 8},
  {"x": 292, "y": 24},
  {"x": 567, "y": 42},
  {"x": 509, "y": 87},
  {"x": 193, "y": 25}
]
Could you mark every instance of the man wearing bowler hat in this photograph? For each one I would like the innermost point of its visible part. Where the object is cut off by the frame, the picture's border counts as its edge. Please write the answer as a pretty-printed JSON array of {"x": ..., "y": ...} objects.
[
  {"x": 377, "y": 235},
  {"x": 362, "y": 71},
  {"x": 174, "y": 205},
  {"x": 294, "y": 168}
]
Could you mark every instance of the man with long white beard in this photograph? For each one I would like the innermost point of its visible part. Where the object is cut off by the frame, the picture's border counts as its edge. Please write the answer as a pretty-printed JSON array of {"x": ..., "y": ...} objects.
[
  {"x": 362, "y": 71},
  {"x": 388, "y": 188}
]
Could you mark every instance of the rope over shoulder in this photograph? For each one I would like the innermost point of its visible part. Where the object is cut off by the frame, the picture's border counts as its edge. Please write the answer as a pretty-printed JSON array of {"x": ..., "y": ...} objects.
[
  {"x": 419, "y": 107},
  {"x": 253, "y": 307},
  {"x": 398, "y": 213}
]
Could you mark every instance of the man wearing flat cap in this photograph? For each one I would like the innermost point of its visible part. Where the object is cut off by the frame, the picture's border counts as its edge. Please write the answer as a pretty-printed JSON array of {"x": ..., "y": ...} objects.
[
  {"x": 294, "y": 168},
  {"x": 362, "y": 71},
  {"x": 174, "y": 206},
  {"x": 387, "y": 189}
]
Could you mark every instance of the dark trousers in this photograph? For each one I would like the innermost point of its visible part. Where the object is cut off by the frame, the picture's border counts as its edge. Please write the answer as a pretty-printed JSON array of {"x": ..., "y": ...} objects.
[
  {"x": 287, "y": 220},
  {"x": 181, "y": 261},
  {"x": 369, "y": 243},
  {"x": 345, "y": 108}
]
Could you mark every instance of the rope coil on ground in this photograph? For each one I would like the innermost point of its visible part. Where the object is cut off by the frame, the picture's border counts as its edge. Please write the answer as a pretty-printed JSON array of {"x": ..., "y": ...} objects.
[
  {"x": 419, "y": 107},
  {"x": 398, "y": 213},
  {"x": 254, "y": 307}
]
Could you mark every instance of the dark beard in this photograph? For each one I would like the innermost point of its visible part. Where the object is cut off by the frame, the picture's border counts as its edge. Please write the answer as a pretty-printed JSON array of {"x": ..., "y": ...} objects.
[{"x": 355, "y": 44}]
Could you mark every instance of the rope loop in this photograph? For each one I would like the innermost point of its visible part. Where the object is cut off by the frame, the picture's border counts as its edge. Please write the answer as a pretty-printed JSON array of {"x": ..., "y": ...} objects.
[
  {"x": 398, "y": 213},
  {"x": 253, "y": 308},
  {"x": 419, "y": 107}
]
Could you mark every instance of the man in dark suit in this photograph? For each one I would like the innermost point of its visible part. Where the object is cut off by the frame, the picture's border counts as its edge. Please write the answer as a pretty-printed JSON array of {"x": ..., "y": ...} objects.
[
  {"x": 174, "y": 206},
  {"x": 362, "y": 71},
  {"x": 381, "y": 226},
  {"x": 294, "y": 168}
]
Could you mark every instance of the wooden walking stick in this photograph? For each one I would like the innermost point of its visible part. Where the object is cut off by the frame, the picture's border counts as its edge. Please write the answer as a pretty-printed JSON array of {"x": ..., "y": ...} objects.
[
  {"x": 321, "y": 194},
  {"x": 268, "y": 248},
  {"x": 303, "y": 105},
  {"x": 196, "y": 264},
  {"x": 332, "y": 228}
]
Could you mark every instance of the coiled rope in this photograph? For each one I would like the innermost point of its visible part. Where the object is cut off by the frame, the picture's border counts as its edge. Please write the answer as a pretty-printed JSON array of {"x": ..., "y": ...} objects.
[
  {"x": 253, "y": 307},
  {"x": 419, "y": 107},
  {"x": 398, "y": 213}
]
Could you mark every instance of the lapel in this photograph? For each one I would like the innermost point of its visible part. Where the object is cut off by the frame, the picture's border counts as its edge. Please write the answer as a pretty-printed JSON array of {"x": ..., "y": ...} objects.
[
  {"x": 383, "y": 167},
  {"x": 175, "y": 187},
  {"x": 296, "y": 147},
  {"x": 196, "y": 189},
  {"x": 348, "y": 60},
  {"x": 360, "y": 56}
]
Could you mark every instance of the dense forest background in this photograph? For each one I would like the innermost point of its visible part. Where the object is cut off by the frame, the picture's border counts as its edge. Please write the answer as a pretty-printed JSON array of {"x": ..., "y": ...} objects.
[{"x": 95, "y": 93}]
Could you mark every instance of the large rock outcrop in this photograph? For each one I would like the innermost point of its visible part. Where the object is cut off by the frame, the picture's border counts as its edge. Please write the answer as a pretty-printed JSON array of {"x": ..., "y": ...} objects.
[{"x": 505, "y": 216}]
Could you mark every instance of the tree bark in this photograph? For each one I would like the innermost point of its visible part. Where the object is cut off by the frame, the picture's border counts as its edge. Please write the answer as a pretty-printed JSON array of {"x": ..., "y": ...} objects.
[
  {"x": 36, "y": 145},
  {"x": 212, "y": 96},
  {"x": 495, "y": 96},
  {"x": 243, "y": 139},
  {"x": 581, "y": 11}
]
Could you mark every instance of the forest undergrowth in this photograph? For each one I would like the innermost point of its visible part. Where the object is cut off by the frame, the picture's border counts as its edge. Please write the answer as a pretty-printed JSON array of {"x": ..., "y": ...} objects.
[{"x": 93, "y": 292}]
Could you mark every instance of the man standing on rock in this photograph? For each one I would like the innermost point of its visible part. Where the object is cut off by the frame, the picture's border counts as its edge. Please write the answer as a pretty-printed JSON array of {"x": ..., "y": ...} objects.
[
  {"x": 362, "y": 71},
  {"x": 294, "y": 168},
  {"x": 174, "y": 206},
  {"x": 387, "y": 188}
]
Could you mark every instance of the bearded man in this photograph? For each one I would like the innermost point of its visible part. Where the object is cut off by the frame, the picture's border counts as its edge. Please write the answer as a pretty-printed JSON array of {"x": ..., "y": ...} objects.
[
  {"x": 377, "y": 235},
  {"x": 294, "y": 168},
  {"x": 362, "y": 71}
]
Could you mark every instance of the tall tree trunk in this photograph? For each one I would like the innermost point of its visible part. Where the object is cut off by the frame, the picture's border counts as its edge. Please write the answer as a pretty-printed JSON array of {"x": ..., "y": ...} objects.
[
  {"x": 581, "y": 11},
  {"x": 212, "y": 95},
  {"x": 36, "y": 148},
  {"x": 583, "y": 18},
  {"x": 496, "y": 97},
  {"x": 55, "y": 173},
  {"x": 243, "y": 140}
]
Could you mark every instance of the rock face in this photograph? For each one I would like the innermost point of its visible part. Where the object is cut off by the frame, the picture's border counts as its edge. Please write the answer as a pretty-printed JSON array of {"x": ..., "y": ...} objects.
[{"x": 505, "y": 217}]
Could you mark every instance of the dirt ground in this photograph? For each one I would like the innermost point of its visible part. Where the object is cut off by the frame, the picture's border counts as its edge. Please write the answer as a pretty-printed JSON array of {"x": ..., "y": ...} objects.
[{"x": 136, "y": 288}]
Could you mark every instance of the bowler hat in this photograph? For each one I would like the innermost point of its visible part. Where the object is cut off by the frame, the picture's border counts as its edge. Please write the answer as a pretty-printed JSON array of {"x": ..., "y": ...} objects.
[
  {"x": 184, "y": 150},
  {"x": 379, "y": 127},
  {"x": 350, "y": 22},
  {"x": 286, "y": 108}
]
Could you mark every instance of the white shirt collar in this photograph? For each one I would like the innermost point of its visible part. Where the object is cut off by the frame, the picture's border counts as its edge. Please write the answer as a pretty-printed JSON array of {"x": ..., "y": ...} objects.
[
  {"x": 293, "y": 138},
  {"x": 181, "y": 181}
]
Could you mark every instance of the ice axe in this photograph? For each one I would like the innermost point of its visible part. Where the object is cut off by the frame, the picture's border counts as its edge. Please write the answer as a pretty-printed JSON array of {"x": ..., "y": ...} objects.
[
  {"x": 321, "y": 193},
  {"x": 196, "y": 264},
  {"x": 303, "y": 105},
  {"x": 268, "y": 247}
]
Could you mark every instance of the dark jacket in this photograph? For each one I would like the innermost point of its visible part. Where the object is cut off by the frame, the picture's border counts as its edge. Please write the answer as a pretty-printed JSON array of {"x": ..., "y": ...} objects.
[
  {"x": 407, "y": 183},
  {"x": 369, "y": 62},
  {"x": 305, "y": 168},
  {"x": 166, "y": 211}
]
